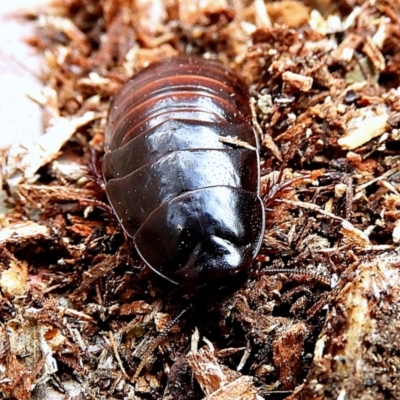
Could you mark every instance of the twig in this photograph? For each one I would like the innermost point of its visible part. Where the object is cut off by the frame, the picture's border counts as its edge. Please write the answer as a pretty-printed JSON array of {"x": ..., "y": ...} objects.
[
  {"x": 116, "y": 353},
  {"x": 74, "y": 313}
]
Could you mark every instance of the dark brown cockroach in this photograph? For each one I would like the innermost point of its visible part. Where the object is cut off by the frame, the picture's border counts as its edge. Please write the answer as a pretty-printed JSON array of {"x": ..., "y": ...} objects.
[{"x": 188, "y": 198}]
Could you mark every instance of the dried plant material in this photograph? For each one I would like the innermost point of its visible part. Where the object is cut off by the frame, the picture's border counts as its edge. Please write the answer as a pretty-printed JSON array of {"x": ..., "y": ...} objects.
[
  {"x": 297, "y": 81},
  {"x": 396, "y": 232},
  {"x": 24, "y": 161},
  {"x": 374, "y": 55},
  {"x": 355, "y": 354},
  {"x": 117, "y": 356},
  {"x": 69, "y": 170},
  {"x": 206, "y": 370},
  {"x": 138, "y": 58},
  {"x": 261, "y": 16},
  {"x": 103, "y": 266},
  {"x": 287, "y": 351},
  {"x": 14, "y": 275},
  {"x": 354, "y": 235},
  {"x": 242, "y": 388},
  {"x": 197, "y": 12},
  {"x": 340, "y": 190},
  {"x": 153, "y": 15},
  {"x": 364, "y": 125},
  {"x": 288, "y": 12},
  {"x": 267, "y": 142},
  {"x": 20, "y": 232},
  {"x": 323, "y": 84},
  {"x": 81, "y": 229},
  {"x": 68, "y": 28},
  {"x": 136, "y": 307},
  {"x": 17, "y": 379},
  {"x": 161, "y": 320},
  {"x": 215, "y": 381},
  {"x": 29, "y": 353},
  {"x": 52, "y": 194},
  {"x": 236, "y": 142},
  {"x": 345, "y": 51}
]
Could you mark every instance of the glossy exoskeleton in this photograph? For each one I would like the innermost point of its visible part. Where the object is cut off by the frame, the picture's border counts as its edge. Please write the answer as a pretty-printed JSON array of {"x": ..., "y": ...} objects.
[{"x": 188, "y": 199}]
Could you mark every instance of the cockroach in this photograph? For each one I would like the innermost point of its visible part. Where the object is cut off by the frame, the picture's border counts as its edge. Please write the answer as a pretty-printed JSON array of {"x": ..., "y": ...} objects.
[{"x": 182, "y": 171}]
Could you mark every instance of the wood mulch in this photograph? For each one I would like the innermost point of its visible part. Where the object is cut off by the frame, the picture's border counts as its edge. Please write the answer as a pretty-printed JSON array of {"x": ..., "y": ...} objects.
[{"x": 79, "y": 310}]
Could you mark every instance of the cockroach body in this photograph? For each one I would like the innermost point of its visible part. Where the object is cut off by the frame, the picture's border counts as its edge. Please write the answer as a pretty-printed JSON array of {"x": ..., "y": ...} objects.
[{"x": 188, "y": 199}]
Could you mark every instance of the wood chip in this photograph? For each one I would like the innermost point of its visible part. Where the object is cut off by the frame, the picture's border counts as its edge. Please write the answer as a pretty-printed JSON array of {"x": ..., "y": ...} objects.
[
  {"x": 24, "y": 161},
  {"x": 206, "y": 370},
  {"x": 21, "y": 232},
  {"x": 242, "y": 388},
  {"x": 297, "y": 81},
  {"x": 365, "y": 124}
]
